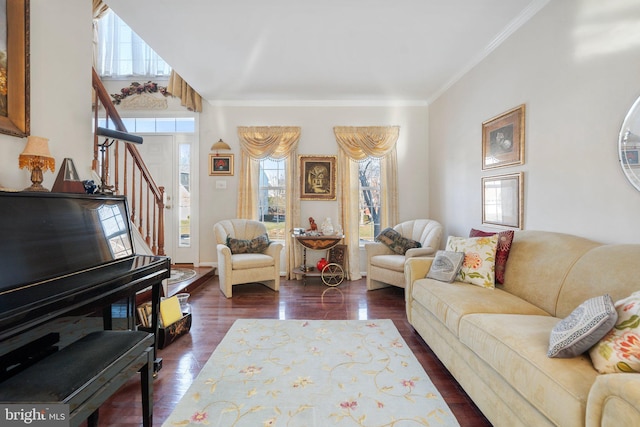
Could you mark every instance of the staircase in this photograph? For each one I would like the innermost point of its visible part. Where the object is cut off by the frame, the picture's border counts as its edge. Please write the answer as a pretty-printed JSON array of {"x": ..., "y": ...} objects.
[{"x": 125, "y": 173}]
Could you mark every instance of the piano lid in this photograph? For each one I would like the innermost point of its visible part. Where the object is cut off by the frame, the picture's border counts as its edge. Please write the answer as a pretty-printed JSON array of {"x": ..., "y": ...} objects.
[{"x": 46, "y": 235}]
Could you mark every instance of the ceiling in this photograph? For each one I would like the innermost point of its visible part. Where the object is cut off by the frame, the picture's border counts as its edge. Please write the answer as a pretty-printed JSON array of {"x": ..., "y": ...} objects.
[{"x": 328, "y": 52}]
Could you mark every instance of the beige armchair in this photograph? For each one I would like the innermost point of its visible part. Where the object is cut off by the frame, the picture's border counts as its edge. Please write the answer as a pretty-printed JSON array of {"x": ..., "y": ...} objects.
[
  {"x": 385, "y": 267},
  {"x": 254, "y": 267}
]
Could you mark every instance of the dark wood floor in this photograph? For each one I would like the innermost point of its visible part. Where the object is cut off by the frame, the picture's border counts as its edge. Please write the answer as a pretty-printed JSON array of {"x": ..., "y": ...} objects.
[{"x": 213, "y": 315}]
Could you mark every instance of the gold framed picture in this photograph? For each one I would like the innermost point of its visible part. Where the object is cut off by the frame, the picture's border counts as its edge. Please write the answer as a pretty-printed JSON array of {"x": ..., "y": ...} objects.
[
  {"x": 503, "y": 139},
  {"x": 14, "y": 71},
  {"x": 503, "y": 200},
  {"x": 220, "y": 164},
  {"x": 317, "y": 177}
]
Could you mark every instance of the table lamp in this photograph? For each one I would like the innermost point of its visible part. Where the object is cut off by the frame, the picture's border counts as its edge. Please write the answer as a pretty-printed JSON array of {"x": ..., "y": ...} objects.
[{"x": 36, "y": 157}]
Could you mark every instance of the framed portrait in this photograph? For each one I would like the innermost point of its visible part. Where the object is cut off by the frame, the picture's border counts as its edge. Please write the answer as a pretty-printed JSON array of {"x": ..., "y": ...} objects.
[
  {"x": 14, "y": 68},
  {"x": 317, "y": 177},
  {"x": 221, "y": 164},
  {"x": 503, "y": 139},
  {"x": 502, "y": 200}
]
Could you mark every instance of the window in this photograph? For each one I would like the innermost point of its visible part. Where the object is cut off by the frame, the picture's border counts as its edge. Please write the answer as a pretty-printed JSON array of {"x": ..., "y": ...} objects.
[
  {"x": 154, "y": 124},
  {"x": 122, "y": 53},
  {"x": 272, "y": 197},
  {"x": 370, "y": 187}
]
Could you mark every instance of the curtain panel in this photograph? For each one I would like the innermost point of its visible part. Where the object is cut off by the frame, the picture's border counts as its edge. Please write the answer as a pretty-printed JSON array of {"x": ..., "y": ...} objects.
[
  {"x": 356, "y": 143},
  {"x": 179, "y": 88},
  {"x": 276, "y": 142}
]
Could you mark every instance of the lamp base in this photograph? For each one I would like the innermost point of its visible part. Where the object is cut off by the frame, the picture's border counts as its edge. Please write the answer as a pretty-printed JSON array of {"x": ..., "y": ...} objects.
[
  {"x": 37, "y": 187},
  {"x": 36, "y": 180}
]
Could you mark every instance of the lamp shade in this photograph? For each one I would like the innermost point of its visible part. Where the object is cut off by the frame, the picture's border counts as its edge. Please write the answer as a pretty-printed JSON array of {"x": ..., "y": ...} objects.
[
  {"x": 36, "y": 152},
  {"x": 220, "y": 145},
  {"x": 37, "y": 146}
]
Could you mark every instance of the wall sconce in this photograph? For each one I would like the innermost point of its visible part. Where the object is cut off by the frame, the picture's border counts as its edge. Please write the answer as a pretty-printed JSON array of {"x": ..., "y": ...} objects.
[
  {"x": 36, "y": 157},
  {"x": 220, "y": 145}
]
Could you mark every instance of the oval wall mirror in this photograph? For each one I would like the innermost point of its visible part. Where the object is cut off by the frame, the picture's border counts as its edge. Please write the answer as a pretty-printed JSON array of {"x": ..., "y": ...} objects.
[{"x": 629, "y": 145}]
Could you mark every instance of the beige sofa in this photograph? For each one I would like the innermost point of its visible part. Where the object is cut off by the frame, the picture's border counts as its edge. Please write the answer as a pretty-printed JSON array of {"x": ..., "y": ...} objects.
[{"x": 495, "y": 341}]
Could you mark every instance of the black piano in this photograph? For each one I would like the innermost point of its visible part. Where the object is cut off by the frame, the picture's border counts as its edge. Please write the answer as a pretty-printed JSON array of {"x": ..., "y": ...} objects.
[{"x": 65, "y": 257}]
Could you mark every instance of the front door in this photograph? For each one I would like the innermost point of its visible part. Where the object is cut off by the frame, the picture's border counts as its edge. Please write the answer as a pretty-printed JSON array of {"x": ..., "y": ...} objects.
[{"x": 169, "y": 159}]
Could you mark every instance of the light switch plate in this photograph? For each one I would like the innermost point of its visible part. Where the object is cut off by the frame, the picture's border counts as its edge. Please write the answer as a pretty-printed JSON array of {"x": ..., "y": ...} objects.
[{"x": 221, "y": 184}]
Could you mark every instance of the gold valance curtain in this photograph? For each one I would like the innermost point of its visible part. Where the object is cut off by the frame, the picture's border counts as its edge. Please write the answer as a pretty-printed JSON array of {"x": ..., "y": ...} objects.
[
  {"x": 189, "y": 98},
  {"x": 356, "y": 143},
  {"x": 366, "y": 141},
  {"x": 276, "y": 142}
]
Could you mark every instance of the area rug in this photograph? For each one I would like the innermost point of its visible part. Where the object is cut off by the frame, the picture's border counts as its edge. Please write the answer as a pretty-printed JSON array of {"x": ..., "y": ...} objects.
[
  {"x": 180, "y": 275},
  {"x": 312, "y": 373}
]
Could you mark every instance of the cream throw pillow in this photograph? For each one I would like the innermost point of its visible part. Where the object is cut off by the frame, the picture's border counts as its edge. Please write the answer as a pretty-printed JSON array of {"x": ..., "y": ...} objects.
[
  {"x": 619, "y": 350},
  {"x": 478, "y": 267}
]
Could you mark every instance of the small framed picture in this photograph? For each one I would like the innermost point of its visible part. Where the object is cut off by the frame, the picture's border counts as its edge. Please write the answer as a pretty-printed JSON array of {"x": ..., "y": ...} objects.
[
  {"x": 503, "y": 139},
  {"x": 502, "y": 200},
  {"x": 631, "y": 157},
  {"x": 220, "y": 164},
  {"x": 317, "y": 177}
]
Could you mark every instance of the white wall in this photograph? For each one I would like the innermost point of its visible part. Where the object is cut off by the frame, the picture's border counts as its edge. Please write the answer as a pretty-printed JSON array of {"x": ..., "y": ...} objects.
[
  {"x": 575, "y": 65},
  {"x": 317, "y": 137},
  {"x": 60, "y": 90}
]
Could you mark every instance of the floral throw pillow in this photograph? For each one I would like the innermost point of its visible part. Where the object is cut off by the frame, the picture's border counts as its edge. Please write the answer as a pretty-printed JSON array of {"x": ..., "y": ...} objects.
[
  {"x": 253, "y": 246},
  {"x": 505, "y": 238},
  {"x": 478, "y": 267},
  {"x": 619, "y": 350},
  {"x": 394, "y": 241}
]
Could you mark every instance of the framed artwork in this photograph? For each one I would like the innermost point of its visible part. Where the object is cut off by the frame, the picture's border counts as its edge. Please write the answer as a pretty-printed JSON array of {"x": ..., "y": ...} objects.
[
  {"x": 503, "y": 139},
  {"x": 221, "y": 164},
  {"x": 14, "y": 68},
  {"x": 632, "y": 157},
  {"x": 317, "y": 177},
  {"x": 502, "y": 200}
]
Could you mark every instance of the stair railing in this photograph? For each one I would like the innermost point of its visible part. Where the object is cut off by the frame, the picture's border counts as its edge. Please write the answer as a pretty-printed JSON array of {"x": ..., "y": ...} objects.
[{"x": 126, "y": 173}]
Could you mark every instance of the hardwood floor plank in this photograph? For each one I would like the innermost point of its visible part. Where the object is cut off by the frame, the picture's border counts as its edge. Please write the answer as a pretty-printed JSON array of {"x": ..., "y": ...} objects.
[{"x": 213, "y": 315}]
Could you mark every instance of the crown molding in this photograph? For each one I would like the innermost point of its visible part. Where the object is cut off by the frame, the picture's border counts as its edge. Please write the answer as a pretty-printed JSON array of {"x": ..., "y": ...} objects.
[{"x": 526, "y": 14}]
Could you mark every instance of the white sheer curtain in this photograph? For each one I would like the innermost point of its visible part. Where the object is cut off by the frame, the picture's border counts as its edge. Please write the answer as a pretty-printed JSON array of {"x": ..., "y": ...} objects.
[{"x": 122, "y": 53}]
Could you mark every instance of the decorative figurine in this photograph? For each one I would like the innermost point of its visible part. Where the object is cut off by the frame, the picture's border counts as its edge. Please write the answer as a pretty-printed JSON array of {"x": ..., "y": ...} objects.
[{"x": 312, "y": 224}]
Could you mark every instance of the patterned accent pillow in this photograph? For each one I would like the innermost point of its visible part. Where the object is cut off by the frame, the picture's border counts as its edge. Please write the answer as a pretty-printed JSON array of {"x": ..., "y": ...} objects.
[
  {"x": 253, "y": 246},
  {"x": 394, "y": 241},
  {"x": 505, "y": 238},
  {"x": 478, "y": 267},
  {"x": 619, "y": 350},
  {"x": 445, "y": 266},
  {"x": 584, "y": 327}
]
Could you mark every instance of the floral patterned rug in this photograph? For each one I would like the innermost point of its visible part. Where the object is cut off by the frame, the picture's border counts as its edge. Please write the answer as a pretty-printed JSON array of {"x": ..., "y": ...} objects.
[{"x": 310, "y": 373}]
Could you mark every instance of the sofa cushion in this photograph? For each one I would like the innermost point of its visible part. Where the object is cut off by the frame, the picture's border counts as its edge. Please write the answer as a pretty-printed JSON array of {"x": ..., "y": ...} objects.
[
  {"x": 254, "y": 246},
  {"x": 249, "y": 261},
  {"x": 394, "y": 241},
  {"x": 619, "y": 350},
  {"x": 450, "y": 302},
  {"x": 445, "y": 266},
  {"x": 505, "y": 238},
  {"x": 584, "y": 327},
  {"x": 389, "y": 262},
  {"x": 515, "y": 346},
  {"x": 478, "y": 267}
]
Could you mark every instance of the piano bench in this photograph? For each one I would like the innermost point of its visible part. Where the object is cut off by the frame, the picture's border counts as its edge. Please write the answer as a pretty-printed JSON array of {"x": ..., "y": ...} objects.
[{"x": 86, "y": 373}]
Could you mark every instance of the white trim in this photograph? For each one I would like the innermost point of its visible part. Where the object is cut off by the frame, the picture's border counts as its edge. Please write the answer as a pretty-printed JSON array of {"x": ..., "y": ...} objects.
[
  {"x": 320, "y": 103},
  {"x": 511, "y": 28}
]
